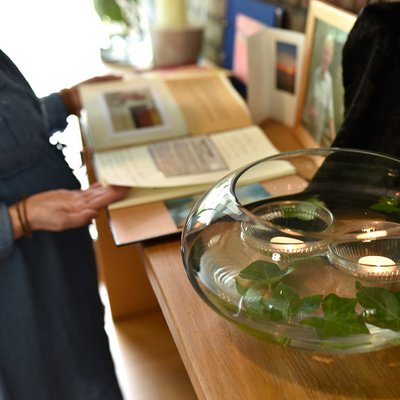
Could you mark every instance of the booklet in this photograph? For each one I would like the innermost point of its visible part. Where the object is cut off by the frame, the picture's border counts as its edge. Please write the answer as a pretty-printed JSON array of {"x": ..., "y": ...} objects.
[
  {"x": 171, "y": 137},
  {"x": 159, "y": 107},
  {"x": 186, "y": 166}
]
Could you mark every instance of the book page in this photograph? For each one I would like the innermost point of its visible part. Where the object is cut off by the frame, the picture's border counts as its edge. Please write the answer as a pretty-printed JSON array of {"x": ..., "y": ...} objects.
[
  {"x": 120, "y": 113},
  {"x": 138, "y": 196},
  {"x": 275, "y": 60},
  {"x": 209, "y": 103},
  {"x": 184, "y": 162}
]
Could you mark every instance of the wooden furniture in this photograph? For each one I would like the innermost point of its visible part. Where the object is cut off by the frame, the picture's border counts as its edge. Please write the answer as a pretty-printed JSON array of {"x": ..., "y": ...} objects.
[{"x": 225, "y": 363}]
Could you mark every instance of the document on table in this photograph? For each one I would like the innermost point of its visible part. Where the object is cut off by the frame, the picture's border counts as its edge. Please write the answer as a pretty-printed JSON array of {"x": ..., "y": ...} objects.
[{"x": 191, "y": 161}]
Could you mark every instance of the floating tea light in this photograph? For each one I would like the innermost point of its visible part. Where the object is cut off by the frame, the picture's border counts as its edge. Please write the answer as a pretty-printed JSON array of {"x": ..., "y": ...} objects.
[
  {"x": 288, "y": 230},
  {"x": 377, "y": 264},
  {"x": 368, "y": 251}
]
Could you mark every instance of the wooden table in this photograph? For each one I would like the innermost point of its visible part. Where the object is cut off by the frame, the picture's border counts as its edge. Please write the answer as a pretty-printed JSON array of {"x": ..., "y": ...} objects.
[{"x": 225, "y": 363}]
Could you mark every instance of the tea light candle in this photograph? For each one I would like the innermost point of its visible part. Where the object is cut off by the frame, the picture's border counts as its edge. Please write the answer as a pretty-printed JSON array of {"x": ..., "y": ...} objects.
[
  {"x": 170, "y": 13},
  {"x": 376, "y": 260},
  {"x": 377, "y": 264},
  {"x": 286, "y": 243}
]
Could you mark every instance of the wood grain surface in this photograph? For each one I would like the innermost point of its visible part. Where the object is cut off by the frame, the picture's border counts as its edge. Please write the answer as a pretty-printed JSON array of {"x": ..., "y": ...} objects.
[{"x": 225, "y": 363}]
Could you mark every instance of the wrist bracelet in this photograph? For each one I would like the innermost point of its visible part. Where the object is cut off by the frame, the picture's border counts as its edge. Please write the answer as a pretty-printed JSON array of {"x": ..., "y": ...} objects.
[{"x": 23, "y": 218}]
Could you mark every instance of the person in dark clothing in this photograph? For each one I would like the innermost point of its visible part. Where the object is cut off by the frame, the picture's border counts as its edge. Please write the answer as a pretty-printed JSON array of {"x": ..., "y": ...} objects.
[{"x": 52, "y": 339}]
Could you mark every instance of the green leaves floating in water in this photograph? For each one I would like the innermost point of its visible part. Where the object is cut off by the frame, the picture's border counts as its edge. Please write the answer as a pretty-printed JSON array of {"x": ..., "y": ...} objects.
[
  {"x": 265, "y": 272},
  {"x": 266, "y": 297},
  {"x": 387, "y": 204},
  {"x": 340, "y": 318},
  {"x": 381, "y": 306},
  {"x": 270, "y": 299}
]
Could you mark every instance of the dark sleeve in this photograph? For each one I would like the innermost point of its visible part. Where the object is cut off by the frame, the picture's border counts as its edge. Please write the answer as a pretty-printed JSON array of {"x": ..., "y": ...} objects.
[
  {"x": 54, "y": 112},
  {"x": 6, "y": 239}
]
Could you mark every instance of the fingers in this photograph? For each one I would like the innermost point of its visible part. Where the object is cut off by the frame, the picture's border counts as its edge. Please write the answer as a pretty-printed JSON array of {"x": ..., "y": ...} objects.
[
  {"x": 99, "y": 196},
  {"x": 62, "y": 209},
  {"x": 80, "y": 218},
  {"x": 103, "y": 78}
]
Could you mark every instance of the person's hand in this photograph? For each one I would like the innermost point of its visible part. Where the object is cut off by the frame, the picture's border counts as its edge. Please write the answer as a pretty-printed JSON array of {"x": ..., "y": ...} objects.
[
  {"x": 71, "y": 96},
  {"x": 57, "y": 210}
]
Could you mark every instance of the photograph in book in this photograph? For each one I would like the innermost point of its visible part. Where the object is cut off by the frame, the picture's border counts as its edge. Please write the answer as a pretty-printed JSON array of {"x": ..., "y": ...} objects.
[
  {"x": 160, "y": 107},
  {"x": 131, "y": 112},
  {"x": 133, "y": 109}
]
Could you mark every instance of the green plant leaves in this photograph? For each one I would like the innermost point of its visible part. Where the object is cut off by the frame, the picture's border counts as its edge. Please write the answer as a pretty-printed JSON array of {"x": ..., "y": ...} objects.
[
  {"x": 387, "y": 204},
  {"x": 340, "y": 318},
  {"x": 264, "y": 300},
  {"x": 265, "y": 272},
  {"x": 266, "y": 297},
  {"x": 253, "y": 302},
  {"x": 382, "y": 306},
  {"x": 109, "y": 10},
  {"x": 289, "y": 303}
]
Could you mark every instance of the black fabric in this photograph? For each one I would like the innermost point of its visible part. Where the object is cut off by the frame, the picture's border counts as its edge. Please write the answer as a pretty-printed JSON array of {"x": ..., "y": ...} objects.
[
  {"x": 52, "y": 339},
  {"x": 371, "y": 78}
]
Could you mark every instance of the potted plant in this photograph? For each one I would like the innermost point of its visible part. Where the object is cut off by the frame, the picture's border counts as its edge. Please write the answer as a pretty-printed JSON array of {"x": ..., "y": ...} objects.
[{"x": 122, "y": 23}]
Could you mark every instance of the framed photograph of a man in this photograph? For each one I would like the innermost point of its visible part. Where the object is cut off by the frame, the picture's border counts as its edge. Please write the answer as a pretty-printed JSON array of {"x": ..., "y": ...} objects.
[{"x": 321, "y": 107}]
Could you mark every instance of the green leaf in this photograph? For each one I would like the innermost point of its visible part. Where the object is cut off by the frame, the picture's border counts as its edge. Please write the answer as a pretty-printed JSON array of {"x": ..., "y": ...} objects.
[
  {"x": 264, "y": 271},
  {"x": 338, "y": 308},
  {"x": 240, "y": 288},
  {"x": 288, "y": 302},
  {"x": 386, "y": 204},
  {"x": 109, "y": 10},
  {"x": 340, "y": 318},
  {"x": 382, "y": 306},
  {"x": 310, "y": 303},
  {"x": 255, "y": 307}
]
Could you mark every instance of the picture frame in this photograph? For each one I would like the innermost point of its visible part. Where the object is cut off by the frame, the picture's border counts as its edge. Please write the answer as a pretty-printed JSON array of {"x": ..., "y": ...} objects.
[{"x": 320, "y": 108}]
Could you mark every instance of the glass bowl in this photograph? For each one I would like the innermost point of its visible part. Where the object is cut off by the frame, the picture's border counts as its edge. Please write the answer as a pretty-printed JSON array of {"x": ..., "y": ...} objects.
[{"x": 303, "y": 249}]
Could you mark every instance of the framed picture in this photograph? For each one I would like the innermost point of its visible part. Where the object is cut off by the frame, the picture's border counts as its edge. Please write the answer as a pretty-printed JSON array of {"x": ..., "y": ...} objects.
[{"x": 321, "y": 106}]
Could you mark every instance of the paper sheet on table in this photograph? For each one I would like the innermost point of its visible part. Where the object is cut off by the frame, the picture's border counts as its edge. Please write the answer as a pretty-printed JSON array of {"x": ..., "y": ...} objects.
[{"x": 190, "y": 161}]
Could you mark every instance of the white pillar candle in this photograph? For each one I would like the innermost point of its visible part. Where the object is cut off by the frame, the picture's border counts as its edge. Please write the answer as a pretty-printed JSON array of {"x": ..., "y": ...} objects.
[{"x": 170, "y": 13}]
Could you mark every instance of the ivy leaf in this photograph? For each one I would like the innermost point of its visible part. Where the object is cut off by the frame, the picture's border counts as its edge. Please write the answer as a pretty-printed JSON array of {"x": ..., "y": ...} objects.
[
  {"x": 310, "y": 303},
  {"x": 288, "y": 302},
  {"x": 255, "y": 306},
  {"x": 241, "y": 288},
  {"x": 382, "y": 306},
  {"x": 340, "y": 318},
  {"x": 265, "y": 272},
  {"x": 386, "y": 204}
]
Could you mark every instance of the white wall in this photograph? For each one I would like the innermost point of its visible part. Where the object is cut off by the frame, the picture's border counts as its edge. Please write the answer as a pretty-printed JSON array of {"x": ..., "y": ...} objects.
[{"x": 55, "y": 43}]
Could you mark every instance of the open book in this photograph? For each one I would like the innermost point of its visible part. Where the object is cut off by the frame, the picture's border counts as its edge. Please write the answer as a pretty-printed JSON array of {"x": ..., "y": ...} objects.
[{"x": 194, "y": 130}]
